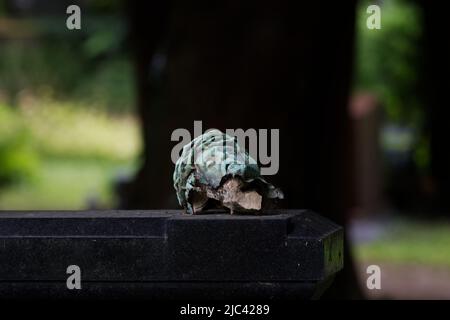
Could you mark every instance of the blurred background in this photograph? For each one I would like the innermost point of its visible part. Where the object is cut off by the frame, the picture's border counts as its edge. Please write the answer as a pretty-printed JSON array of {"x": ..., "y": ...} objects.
[{"x": 86, "y": 115}]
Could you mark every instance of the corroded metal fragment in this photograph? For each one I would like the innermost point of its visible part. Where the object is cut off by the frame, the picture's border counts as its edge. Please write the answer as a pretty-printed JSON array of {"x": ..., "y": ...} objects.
[{"x": 213, "y": 171}]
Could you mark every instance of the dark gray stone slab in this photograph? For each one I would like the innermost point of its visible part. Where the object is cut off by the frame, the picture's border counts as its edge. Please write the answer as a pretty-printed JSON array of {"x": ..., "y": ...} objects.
[{"x": 166, "y": 253}]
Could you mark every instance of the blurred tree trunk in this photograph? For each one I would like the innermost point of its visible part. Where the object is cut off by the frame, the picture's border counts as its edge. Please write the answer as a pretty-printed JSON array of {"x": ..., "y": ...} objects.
[
  {"x": 147, "y": 29},
  {"x": 254, "y": 65},
  {"x": 437, "y": 68}
]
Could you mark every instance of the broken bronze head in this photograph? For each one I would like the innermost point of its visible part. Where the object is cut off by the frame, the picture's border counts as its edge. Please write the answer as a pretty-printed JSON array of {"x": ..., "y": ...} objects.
[{"x": 213, "y": 171}]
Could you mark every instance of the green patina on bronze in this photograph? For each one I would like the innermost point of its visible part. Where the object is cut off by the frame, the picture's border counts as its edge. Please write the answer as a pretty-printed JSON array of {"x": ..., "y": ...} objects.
[{"x": 208, "y": 162}]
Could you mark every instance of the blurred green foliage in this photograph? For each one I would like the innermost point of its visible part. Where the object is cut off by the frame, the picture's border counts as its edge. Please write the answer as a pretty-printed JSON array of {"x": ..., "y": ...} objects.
[
  {"x": 90, "y": 66},
  {"x": 388, "y": 59},
  {"x": 18, "y": 161},
  {"x": 389, "y": 64},
  {"x": 66, "y": 97},
  {"x": 57, "y": 155},
  {"x": 66, "y": 73}
]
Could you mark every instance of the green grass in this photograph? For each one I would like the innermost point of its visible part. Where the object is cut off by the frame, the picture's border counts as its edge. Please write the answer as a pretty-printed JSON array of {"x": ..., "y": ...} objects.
[
  {"x": 65, "y": 185},
  {"x": 76, "y": 152},
  {"x": 67, "y": 130},
  {"x": 415, "y": 242}
]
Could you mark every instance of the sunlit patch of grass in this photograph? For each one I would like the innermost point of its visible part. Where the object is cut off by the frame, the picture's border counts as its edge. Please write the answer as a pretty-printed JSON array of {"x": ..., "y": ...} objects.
[
  {"x": 410, "y": 242},
  {"x": 76, "y": 131},
  {"x": 66, "y": 185},
  {"x": 76, "y": 151}
]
